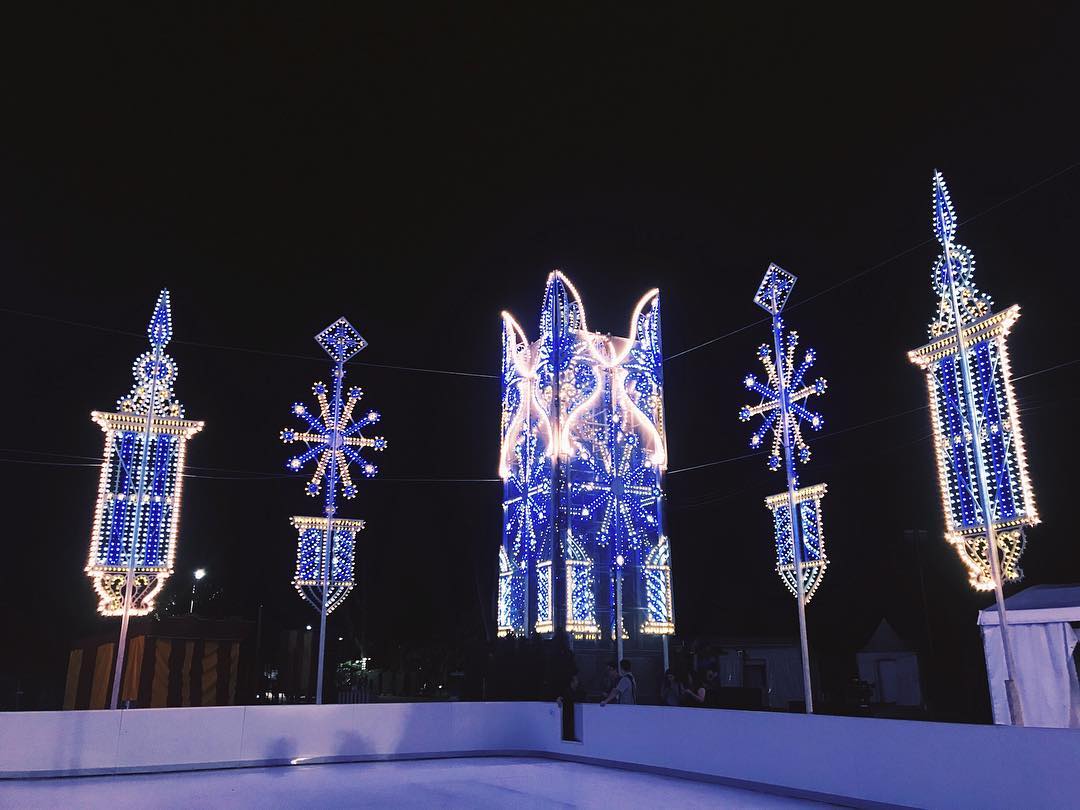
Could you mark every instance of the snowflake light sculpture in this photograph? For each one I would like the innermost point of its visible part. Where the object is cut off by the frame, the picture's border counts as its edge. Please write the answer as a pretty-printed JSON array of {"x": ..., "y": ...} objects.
[
  {"x": 136, "y": 520},
  {"x": 582, "y": 456},
  {"x": 982, "y": 466},
  {"x": 797, "y": 395},
  {"x": 621, "y": 493},
  {"x": 333, "y": 439},
  {"x": 326, "y": 548},
  {"x": 784, "y": 395},
  {"x": 800, "y": 540}
]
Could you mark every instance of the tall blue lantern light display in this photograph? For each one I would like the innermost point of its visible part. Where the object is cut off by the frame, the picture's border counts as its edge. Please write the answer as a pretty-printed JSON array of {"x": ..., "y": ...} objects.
[
  {"x": 981, "y": 463},
  {"x": 798, "y": 528},
  {"x": 582, "y": 457},
  {"x": 136, "y": 520},
  {"x": 333, "y": 440}
]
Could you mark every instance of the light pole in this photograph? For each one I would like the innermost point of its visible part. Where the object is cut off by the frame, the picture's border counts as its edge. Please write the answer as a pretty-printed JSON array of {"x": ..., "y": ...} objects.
[
  {"x": 199, "y": 574},
  {"x": 325, "y": 552},
  {"x": 945, "y": 222},
  {"x": 620, "y": 561},
  {"x": 783, "y": 407},
  {"x": 160, "y": 332}
]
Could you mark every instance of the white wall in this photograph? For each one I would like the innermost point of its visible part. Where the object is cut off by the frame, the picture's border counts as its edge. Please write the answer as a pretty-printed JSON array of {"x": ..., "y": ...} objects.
[{"x": 897, "y": 762}]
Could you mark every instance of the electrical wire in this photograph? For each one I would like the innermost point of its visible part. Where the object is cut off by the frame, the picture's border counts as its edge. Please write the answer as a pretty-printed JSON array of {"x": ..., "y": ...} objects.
[
  {"x": 243, "y": 349},
  {"x": 255, "y": 475},
  {"x": 881, "y": 264}
]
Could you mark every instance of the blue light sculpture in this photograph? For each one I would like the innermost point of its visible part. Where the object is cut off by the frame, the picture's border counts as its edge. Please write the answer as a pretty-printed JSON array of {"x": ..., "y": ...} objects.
[
  {"x": 798, "y": 529},
  {"x": 136, "y": 519},
  {"x": 324, "y": 568},
  {"x": 582, "y": 459},
  {"x": 982, "y": 469}
]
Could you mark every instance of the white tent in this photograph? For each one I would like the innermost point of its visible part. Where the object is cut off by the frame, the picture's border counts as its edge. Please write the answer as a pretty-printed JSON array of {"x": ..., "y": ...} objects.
[
  {"x": 891, "y": 667},
  {"x": 1043, "y": 622}
]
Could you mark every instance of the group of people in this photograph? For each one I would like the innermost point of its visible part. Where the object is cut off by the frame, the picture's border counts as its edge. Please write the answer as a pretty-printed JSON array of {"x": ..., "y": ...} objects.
[{"x": 689, "y": 690}]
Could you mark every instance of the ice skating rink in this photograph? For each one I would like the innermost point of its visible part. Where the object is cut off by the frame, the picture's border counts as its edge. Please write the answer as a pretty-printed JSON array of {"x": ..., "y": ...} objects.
[{"x": 481, "y": 783}]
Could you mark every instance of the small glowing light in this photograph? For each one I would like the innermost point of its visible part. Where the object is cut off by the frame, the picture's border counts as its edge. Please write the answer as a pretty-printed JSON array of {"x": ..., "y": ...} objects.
[{"x": 200, "y": 573}]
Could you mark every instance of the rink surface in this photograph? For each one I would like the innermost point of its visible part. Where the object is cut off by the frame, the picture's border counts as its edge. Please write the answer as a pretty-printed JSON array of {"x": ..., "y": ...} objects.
[{"x": 488, "y": 782}]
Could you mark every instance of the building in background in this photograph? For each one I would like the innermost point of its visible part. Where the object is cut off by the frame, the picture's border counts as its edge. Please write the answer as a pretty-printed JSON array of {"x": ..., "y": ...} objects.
[{"x": 582, "y": 457}]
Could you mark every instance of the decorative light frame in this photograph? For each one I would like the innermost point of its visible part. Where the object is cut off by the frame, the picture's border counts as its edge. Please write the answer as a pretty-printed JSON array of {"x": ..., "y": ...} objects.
[
  {"x": 812, "y": 534},
  {"x": 129, "y": 467},
  {"x": 607, "y": 433},
  {"x": 332, "y": 439},
  {"x": 985, "y": 333}
]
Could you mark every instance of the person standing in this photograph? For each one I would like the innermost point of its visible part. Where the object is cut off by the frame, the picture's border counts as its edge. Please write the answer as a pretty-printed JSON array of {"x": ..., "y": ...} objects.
[
  {"x": 625, "y": 691},
  {"x": 571, "y": 694},
  {"x": 670, "y": 689}
]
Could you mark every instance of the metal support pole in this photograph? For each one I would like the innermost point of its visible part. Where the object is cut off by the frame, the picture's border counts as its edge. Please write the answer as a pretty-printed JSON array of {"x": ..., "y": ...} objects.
[
  {"x": 1012, "y": 692},
  {"x": 667, "y": 663},
  {"x": 796, "y": 545},
  {"x": 559, "y": 501},
  {"x": 121, "y": 647},
  {"x": 618, "y": 613},
  {"x": 337, "y": 442}
]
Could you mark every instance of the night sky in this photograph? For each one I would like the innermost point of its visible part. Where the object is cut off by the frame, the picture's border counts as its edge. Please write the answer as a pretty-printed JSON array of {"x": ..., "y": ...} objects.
[{"x": 420, "y": 171}]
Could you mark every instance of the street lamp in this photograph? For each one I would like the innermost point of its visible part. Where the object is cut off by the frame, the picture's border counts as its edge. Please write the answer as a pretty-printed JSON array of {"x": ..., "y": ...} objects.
[{"x": 199, "y": 574}]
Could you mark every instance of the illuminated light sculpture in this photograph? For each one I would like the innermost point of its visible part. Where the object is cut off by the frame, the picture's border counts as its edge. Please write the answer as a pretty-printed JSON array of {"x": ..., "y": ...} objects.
[
  {"x": 326, "y": 548},
  {"x": 796, "y": 512},
  {"x": 136, "y": 519},
  {"x": 582, "y": 458},
  {"x": 814, "y": 561},
  {"x": 982, "y": 469}
]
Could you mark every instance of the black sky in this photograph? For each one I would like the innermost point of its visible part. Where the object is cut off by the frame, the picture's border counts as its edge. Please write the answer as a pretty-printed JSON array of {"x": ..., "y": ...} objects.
[{"x": 418, "y": 171}]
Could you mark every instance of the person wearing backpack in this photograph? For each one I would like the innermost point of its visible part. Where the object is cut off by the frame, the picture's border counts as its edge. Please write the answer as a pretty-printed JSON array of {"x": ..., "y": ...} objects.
[{"x": 625, "y": 690}]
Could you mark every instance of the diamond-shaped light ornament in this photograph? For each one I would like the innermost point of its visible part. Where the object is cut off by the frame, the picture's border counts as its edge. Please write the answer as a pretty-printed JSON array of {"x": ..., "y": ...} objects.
[
  {"x": 774, "y": 290},
  {"x": 341, "y": 341}
]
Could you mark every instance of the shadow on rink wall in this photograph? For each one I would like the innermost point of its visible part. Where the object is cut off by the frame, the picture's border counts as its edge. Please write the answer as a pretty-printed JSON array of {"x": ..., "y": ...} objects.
[{"x": 856, "y": 761}]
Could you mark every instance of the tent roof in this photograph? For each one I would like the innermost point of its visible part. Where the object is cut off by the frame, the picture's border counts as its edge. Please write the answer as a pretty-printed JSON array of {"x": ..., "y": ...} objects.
[
  {"x": 885, "y": 639},
  {"x": 1039, "y": 604}
]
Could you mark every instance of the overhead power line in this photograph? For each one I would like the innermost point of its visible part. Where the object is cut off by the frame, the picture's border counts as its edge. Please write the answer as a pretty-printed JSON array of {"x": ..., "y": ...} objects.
[{"x": 879, "y": 265}]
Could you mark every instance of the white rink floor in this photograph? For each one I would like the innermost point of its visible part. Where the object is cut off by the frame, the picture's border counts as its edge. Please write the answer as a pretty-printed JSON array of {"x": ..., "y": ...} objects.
[{"x": 502, "y": 782}]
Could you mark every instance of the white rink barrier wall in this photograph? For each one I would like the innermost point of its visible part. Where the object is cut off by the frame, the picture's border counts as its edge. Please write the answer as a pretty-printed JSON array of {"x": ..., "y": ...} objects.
[{"x": 857, "y": 761}]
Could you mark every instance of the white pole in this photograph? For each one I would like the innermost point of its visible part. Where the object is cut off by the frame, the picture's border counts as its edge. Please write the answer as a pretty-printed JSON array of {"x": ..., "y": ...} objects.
[
  {"x": 328, "y": 546},
  {"x": 796, "y": 549},
  {"x": 1012, "y": 691},
  {"x": 121, "y": 647},
  {"x": 667, "y": 664},
  {"x": 618, "y": 606}
]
